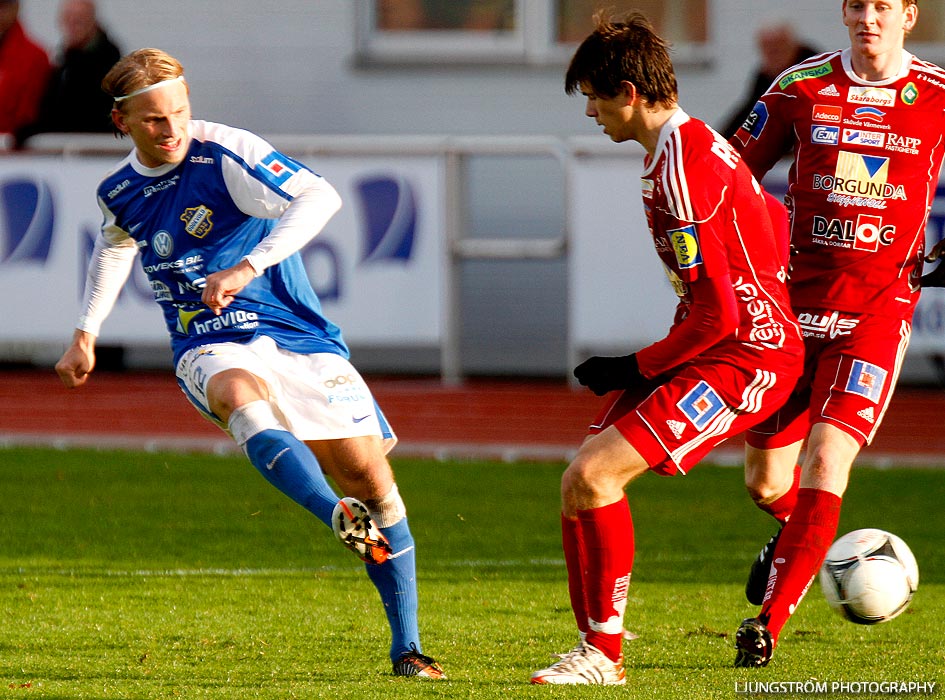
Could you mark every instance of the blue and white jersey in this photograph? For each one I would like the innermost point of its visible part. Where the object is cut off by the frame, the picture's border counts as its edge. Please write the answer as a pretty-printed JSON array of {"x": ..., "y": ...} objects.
[{"x": 205, "y": 214}]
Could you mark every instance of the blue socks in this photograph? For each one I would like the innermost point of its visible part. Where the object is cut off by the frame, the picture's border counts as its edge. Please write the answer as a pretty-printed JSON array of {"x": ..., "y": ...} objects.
[
  {"x": 396, "y": 581},
  {"x": 290, "y": 466}
]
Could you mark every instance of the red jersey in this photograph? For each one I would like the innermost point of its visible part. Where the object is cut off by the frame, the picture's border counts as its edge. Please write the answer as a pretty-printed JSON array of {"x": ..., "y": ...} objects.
[
  {"x": 712, "y": 230},
  {"x": 866, "y": 162}
]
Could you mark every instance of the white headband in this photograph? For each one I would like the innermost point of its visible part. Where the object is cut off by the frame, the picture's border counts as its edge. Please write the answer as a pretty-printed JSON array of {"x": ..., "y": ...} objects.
[{"x": 149, "y": 88}]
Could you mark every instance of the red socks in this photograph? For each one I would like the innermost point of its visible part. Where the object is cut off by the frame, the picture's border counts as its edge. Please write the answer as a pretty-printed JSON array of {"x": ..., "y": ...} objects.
[
  {"x": 575, "y": 558},
  {"x": 598, "y": 550},
  {"x": 782, "y": 508},
  {"x": 800, "y": 551}
]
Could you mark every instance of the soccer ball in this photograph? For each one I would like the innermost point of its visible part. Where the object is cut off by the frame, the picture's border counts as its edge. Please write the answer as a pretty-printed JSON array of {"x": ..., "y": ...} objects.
[{"x": 869, "y": 576}]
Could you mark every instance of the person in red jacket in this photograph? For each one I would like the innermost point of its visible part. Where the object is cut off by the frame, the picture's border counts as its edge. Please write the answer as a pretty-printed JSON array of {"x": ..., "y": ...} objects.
[
  {"x": 24, "y": 70},
  {"x": 730, "y": 359}
]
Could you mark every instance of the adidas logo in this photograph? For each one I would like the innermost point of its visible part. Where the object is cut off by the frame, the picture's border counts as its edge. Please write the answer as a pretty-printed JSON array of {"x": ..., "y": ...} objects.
[
  {"x": 830, "y": 91},
  {"x": 867, "y": 414},
  {"x": 677, "y": 427}
]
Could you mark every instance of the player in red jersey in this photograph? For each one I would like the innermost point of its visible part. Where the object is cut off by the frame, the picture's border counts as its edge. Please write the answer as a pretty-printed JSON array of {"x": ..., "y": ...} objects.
[
  {"x": 730, "y": 359},
  {"x": 865, "y": 125}
]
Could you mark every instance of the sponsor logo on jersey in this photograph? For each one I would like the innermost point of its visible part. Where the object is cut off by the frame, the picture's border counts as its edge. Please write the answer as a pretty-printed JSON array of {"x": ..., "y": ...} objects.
[
  {"x": 162, "y": 244},
  {"x": 192, "y": 263},
  {"x": 830, "y": 325},
  {"x": 870, "y": 114},
  {"x": 829, "y": 91},
  {"x": 870, "y": 232},
  {"x": 243, "y": 320},
  {"x": 277, "y": 168},
  {"x": 866, "y": 233},
  {"x": 862, "y": 175},
  {"x": 201, "y": 160},
  {"x": 197, "y": 220},
  {"x": 826, "y": 135},
  {"x": 866, "y": 380},
  {"x": 903, "y": 144},
  {"x": 931, "y": 81},
  {"x": 116, "y": 190},
  {"x": 827, "y": 113},
  {"x": 755, "y": 122},
  {"x": 161, "y": 186},
  {"x": 909, "y": 94},
  {"x": 701, "y": 405},
  {"x": 867, "y": 95},
  {"x": 161, "y": 291},
  {"x": 677, "y": 427},
  {"x": 859, "y": 137},
  {"x": 184, "y": 319},
  {"x": 805, "y": 74},
  {"x": 867, "y": 414},
  {"x": 685, "y": 242},
  {"x": 860, "y": 181},
  {"x": 766, "y": 329}
]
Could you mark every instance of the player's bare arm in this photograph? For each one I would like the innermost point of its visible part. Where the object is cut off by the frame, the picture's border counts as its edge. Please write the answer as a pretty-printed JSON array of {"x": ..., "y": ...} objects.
[{"x": 78, "y": 361}]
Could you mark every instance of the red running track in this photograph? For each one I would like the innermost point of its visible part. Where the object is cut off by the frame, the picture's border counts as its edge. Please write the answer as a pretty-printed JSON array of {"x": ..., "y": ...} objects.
[{"x": 504, "y": 419}]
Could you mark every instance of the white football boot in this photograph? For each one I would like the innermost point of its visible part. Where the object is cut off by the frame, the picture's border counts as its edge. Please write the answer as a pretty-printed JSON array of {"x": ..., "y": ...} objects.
[
  {"x": 354, "y": 526},
  {"x": 583, "y": 665}
]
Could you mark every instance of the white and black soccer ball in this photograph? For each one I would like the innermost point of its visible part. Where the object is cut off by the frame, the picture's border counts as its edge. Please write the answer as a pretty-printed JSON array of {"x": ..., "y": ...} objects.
[{"x": 869, "y": 576}]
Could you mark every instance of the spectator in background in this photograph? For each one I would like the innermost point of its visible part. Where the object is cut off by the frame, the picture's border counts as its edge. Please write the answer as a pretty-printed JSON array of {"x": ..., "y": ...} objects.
[
  {"x": 780, "y": 49},
  {"x": 24, "y": 68},
  {"x": 74, "y": 100}
]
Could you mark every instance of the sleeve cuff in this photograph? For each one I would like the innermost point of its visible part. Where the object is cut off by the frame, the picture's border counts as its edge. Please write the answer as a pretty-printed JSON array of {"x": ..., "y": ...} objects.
[{"x": 255, "y": 263}]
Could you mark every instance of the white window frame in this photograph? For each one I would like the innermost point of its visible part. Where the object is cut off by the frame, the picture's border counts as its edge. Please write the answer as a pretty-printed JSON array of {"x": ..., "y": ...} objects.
[{"x": 531, "y": 43}]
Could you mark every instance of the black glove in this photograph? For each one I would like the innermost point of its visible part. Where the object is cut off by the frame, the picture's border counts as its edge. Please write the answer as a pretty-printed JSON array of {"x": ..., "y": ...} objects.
[
  {"x": 603, "y": 374},
  {"x": 936, "y": 278}
]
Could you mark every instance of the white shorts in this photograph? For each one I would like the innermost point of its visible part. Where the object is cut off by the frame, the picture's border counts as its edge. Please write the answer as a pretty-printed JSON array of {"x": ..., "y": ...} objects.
[{"x": 317, "y": 397}]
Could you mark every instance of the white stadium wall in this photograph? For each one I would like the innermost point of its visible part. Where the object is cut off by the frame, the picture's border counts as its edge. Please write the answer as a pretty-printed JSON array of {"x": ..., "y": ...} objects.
[
  {"x": 290, "y": 70},
  {"x": 292, "y": 66},
  {"x": 388, "y": 266}
]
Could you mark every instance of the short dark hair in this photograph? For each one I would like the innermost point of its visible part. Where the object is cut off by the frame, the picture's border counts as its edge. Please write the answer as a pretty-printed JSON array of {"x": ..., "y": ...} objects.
[{"x": 629, "y": 50}]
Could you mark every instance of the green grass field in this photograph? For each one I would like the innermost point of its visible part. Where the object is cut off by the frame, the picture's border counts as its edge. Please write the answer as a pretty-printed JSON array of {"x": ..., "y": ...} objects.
[{"x": 130, "y": 575}]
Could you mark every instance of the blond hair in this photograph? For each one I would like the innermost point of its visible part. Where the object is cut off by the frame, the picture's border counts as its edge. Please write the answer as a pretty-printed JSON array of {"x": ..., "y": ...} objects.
[{"x": 138, "y": 70}]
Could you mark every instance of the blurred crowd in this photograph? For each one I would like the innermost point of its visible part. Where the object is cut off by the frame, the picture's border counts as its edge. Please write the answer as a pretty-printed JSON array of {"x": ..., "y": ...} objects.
[{"x": 39, "y": 94}]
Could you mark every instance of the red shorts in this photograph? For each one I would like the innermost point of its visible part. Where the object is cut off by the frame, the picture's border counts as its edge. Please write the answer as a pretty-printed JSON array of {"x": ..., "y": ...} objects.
[
  {"x": 851, "y": 364},
  {"x": 675, "y": 423}
]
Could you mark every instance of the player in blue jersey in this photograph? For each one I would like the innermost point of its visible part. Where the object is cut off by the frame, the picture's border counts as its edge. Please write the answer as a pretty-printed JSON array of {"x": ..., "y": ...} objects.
[{"x": 216, "y": 217}]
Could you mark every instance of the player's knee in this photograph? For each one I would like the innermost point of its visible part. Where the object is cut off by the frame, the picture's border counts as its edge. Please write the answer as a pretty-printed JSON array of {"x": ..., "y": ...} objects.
[
  {"x": 763, "y": 492},
  {"x": 767, "y": 478},
  {"x": 830, "y": 456},
  {"x": 582, "y": 483},
  {"x": 230, "y": 389}
]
